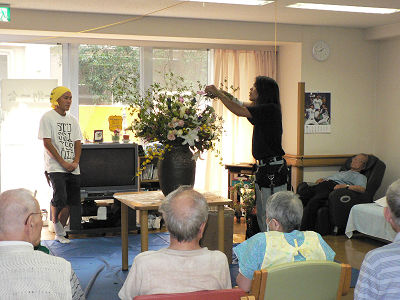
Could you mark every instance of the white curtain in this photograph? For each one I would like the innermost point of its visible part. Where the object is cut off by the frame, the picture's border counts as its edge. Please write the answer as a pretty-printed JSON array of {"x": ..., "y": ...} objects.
[{"x": 237, "y": 68}]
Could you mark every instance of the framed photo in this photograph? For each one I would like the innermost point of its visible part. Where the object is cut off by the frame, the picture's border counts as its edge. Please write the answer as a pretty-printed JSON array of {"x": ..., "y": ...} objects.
[
  {"x": 98, "y": 136},
  {"x": 317, "y": 112}
]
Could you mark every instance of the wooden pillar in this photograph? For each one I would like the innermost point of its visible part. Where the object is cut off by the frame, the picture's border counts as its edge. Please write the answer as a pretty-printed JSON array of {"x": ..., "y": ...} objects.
[{"x": 297, "y": 171}]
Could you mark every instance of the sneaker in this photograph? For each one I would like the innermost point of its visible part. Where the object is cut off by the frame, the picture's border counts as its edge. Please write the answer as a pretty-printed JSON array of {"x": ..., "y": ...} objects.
[
  {"x": 50, "y": 227},
  {"x": 59, "y": 229},
  {"x": 62, "y": 240}
]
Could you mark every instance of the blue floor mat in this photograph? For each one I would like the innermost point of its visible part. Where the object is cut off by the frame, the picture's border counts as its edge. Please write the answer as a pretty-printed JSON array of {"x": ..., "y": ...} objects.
[{"x": 97, "y": 261}]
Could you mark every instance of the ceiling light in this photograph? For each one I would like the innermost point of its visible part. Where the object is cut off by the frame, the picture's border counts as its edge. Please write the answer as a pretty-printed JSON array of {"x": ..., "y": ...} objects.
[
  {"x": 345, "y": 8},
  {"x": 243, "y": 2}
]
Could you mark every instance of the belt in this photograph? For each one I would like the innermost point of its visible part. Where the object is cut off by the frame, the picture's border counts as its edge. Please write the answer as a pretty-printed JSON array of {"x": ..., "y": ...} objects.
[{"x": 263, "y": 162}]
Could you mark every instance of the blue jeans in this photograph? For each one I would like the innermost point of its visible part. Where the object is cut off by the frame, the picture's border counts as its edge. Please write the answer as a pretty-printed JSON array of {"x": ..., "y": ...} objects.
[{"x": 261, "y": 200}]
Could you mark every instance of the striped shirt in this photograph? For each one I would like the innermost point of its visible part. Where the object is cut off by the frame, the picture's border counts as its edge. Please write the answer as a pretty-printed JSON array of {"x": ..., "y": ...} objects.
[{"x": 380, "y": 273}]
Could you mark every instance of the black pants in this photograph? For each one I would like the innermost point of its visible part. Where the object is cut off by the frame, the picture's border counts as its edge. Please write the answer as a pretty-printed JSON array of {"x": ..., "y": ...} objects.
[{"x": 313, "y": 198}]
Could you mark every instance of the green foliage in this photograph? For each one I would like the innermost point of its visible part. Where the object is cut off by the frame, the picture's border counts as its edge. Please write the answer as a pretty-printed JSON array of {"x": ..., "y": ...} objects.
[{"x": 101, "y": 66}]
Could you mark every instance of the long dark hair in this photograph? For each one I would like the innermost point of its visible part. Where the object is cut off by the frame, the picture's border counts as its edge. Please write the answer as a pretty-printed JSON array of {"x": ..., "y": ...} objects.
[{"x": 267, "y": 90}]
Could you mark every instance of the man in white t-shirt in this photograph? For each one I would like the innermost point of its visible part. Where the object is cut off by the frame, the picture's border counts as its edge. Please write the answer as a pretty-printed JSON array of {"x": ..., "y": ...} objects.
[
  {"x": 184, "y": 266},
  {"x": 26, "y": 273},
  {"x": 61, "y": 137}
]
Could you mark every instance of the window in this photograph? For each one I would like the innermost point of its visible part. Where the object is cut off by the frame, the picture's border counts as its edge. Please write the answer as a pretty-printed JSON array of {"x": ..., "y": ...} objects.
[
  {"x": 192, "y": 65},
  {"x": 28, "y": 74},
  {"x": 99, "y": 68}
]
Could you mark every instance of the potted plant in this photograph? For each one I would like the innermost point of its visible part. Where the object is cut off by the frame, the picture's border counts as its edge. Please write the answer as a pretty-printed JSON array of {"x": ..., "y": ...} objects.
[
  {"x": 116, "y": 136},
  {"x": 180, "y": 117}
]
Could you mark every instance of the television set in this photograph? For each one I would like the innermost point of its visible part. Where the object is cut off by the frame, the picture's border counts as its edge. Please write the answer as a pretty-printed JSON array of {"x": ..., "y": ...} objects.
[{"x": 108, "y": 168}]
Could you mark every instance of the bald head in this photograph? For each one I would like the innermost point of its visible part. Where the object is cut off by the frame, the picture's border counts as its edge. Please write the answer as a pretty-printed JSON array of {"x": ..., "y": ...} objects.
[
  {"x": 15, "y": 207},
  {"x": 184, "y": 210}
]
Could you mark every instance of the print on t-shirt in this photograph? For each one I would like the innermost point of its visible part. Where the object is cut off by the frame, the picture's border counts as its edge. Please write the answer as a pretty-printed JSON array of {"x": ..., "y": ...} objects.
[{"x": 64, "y": 131}]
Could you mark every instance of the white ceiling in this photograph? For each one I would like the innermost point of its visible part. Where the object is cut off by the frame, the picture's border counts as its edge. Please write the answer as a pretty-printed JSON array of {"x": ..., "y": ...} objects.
[{"x": 269, "y": 13}]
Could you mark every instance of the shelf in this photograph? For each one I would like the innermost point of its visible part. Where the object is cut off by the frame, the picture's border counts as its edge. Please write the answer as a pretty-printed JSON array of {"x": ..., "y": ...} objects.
[{"x": 149, "y": 173}]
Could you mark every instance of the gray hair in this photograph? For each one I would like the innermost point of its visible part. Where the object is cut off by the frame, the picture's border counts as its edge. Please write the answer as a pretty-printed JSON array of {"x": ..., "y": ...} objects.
[
  {"x": 286, "y": 208},
  {"x": 15, "y": 205},
  {"x": 184, "y": 210},
  {"x": 365, "y": 161},
  {"x": 393, "y": 200}
]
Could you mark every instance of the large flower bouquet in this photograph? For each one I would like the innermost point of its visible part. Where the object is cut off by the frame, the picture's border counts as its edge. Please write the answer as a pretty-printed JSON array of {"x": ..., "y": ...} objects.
[{"x": 174, "y": 114}]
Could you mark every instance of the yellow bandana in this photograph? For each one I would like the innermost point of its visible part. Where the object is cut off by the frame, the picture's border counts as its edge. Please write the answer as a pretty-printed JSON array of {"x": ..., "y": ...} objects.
[{"x": 56, "y": 93}]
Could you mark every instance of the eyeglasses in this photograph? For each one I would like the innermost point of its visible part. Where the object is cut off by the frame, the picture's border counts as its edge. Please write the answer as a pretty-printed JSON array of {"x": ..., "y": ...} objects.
[{"x": 39, "y": 213}]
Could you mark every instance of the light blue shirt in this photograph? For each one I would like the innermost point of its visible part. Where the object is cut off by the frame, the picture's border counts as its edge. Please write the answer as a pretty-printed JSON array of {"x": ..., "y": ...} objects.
[
  {"x": 251, "y": 252},
  {"x": 349, "y": 177},
  {"x": 380, "y": 273}
]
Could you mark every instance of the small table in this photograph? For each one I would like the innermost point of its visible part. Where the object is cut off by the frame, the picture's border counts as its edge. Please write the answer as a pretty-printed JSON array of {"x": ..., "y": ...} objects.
[{"x": 151, "y": 200}]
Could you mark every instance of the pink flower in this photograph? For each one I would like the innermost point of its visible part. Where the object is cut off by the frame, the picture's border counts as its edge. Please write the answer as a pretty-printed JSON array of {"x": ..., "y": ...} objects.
[
  {"x": 201, "y": 92},
  {"x": 181, "y": 123},
  {"x": 171, "y": 136},
  {"x": 181, "y": 99}
]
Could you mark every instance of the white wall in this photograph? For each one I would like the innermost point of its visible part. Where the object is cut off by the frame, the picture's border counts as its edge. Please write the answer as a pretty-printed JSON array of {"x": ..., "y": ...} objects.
[
  {"x": 289, "y": 74},
  {"x": 350, "y": 75},
  {"x": 387, "y": 122}
]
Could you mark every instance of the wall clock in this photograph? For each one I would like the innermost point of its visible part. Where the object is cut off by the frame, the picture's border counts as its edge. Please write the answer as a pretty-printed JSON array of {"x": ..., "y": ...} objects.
[{"x": 321, "y": 51}]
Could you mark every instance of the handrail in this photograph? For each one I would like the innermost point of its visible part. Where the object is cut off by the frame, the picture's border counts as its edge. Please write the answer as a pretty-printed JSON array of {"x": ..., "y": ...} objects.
[{"x": 316, "y": 160}]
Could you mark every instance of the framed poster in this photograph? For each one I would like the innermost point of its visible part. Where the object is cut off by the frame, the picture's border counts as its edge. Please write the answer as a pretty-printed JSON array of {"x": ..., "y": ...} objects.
[
  {"x": 317, "y": 112},
  {"x": 98, "y": 136}
]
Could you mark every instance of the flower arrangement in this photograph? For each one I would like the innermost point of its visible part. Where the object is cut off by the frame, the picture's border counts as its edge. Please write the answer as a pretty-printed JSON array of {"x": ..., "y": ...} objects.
[
  {"x": 175, "y": 114},
  {"x": 246, "y": 191}
]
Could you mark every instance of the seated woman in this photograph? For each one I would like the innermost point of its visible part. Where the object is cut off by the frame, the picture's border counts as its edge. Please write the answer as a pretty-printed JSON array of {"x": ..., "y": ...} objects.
[{"x": 282, "y": 243}]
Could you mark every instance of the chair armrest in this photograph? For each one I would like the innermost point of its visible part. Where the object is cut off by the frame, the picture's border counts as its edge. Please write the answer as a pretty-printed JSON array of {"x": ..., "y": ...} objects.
[
  {"x": 340, "y": 203},
  {"x": 346, "y": 281},
  {"x": 255, "y": 284},
  {"x": 345, "y": 196}
]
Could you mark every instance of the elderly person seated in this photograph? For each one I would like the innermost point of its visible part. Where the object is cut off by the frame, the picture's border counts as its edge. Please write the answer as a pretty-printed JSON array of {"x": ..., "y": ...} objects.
[
  {"x": 282, "y": 243},
  {"x": 184, "y": 266},
  {"x": 24, "y": 272}
]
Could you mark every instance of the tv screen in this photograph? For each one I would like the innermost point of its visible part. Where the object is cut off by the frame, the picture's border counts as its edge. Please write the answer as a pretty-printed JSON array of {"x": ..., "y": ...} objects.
[{"x": 109, "y": 167}]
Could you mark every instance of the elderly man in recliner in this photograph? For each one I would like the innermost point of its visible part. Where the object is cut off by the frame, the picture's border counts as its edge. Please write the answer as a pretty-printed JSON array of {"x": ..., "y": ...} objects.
[{"x": 314, "y": 197}]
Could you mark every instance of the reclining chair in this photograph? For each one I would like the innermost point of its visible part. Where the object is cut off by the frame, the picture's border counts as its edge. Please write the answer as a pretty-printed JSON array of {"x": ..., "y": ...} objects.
[{"x": 332, "y": 218}]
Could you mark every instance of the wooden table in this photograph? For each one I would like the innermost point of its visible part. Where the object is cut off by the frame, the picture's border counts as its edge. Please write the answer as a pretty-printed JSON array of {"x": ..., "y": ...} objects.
[{"x": 151, "y": 200}]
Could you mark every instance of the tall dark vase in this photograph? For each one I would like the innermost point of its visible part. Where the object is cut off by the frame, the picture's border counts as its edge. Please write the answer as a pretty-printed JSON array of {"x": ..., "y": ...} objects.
[{"x": 176, "y": 169}]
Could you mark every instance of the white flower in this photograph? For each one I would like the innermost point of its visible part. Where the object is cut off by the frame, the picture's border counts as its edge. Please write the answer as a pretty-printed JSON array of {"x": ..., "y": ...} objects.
[{"x": 191, "y": 137}]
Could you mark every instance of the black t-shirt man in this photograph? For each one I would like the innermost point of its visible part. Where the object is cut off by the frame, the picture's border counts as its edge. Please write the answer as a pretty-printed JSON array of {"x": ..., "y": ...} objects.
[{"x": 267, "y": 131}]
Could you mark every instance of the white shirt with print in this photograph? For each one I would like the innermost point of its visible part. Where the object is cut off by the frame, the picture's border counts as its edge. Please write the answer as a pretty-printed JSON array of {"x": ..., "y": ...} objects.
[{"x": 63, "y": 131}]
